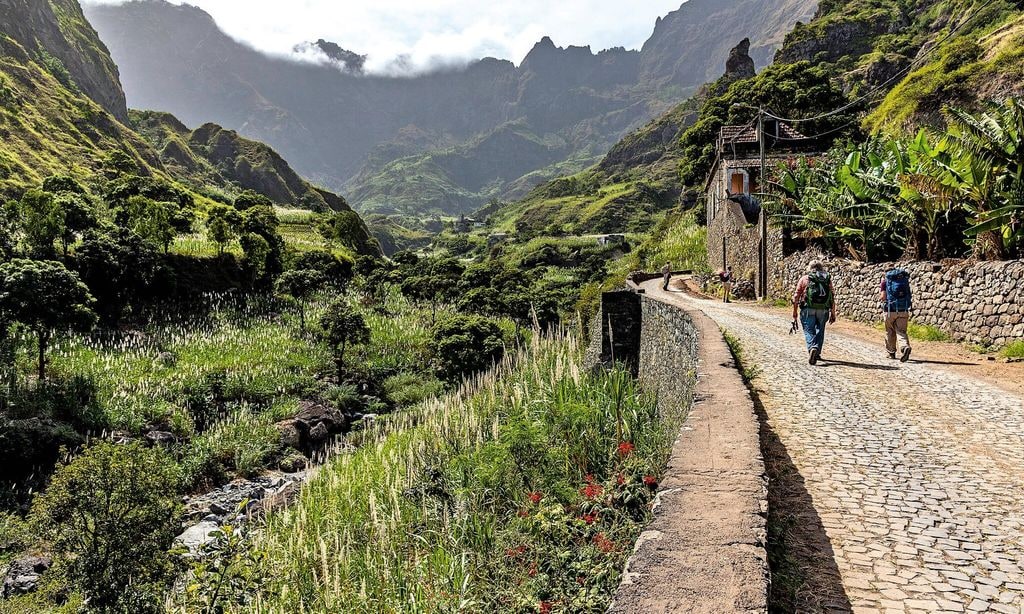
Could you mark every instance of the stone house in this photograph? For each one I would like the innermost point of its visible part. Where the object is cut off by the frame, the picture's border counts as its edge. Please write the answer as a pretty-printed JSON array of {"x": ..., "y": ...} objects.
[{"x": 738, "y": 234}]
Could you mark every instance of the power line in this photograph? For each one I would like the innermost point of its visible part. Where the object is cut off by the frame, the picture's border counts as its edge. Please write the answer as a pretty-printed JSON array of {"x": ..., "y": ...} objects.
[{"x": 899, "y": 74}]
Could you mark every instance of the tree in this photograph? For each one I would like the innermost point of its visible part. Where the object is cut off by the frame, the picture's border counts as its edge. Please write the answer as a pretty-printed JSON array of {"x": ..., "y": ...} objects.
[
  {"x": 39, "y": 222},
  {"x": 262, "y": 221},
  {"x": 435, "y": 280},
  {"x": 300, "y": 285},
  {"x": 345, "y": 228},
  {"x": 249, "y": 199},
  {"x": 152, "y": 220},
  {"x": 222, "y": 225},
  {"x": 119, "y": 268},
  {"x": 337, "y": 271},
  {"x": 47, "y": 298},
  {"x": 111, "y": 515},
  {"x": 341, "y": 327},
  {"x": 75, "y": 215},
  {"x": 464, "y": 345}
]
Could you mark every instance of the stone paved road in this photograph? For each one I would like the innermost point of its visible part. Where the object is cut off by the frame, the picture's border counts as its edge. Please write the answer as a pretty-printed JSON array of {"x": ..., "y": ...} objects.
[{"x": 916, "y": 473}]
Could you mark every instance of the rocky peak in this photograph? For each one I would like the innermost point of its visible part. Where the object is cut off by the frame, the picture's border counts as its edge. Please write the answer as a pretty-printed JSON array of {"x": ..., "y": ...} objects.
[
  {"x": 347, "y": 61},
  {"x": 740, "y": 65}
]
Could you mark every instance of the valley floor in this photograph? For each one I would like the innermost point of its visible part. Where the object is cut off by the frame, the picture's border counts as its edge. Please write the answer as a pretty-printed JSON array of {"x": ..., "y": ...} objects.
[{"x": 893, "y": 487}]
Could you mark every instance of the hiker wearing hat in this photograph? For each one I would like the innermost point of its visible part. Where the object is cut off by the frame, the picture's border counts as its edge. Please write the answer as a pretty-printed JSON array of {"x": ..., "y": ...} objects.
[
  {"x": 896, "y": 304},
  {"x": 814, "y": 303}
]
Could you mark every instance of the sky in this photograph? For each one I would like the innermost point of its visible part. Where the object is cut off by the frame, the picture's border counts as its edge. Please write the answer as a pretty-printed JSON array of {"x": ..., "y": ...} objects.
[{"x": 422, "y": 34}]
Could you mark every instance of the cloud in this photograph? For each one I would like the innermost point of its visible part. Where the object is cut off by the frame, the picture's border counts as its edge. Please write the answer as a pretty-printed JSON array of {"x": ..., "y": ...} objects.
[{"x": 412, "y": 35}]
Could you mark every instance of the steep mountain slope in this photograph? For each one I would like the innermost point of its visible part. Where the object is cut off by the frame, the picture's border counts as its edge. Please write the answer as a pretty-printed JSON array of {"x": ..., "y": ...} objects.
[
  {"x": 856, "y": 68},
  {"x": 567, "y": 105},
  {"x": 61, "y": 111}
]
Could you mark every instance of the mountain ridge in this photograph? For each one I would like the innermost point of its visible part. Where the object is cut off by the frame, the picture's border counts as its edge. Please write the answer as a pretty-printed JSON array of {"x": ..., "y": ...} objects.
[{"x": 338, "y": 127}]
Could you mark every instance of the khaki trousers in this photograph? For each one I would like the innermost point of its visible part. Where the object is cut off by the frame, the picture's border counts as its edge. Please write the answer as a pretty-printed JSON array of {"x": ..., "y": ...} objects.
[
  {"x": 726, "y": 291},
  {"x": 896, "y": 329}
]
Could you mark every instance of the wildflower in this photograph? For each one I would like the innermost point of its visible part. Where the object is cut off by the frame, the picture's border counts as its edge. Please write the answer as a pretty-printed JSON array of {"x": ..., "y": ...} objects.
[
  {"x": 535, "y": 497},
  {"x": 589, "y": 478},
  {"x": 523, "y": 513},
  {"x": 533, "y": 569},
  {"x": 545, "y": 607},
  {"x": 603, "y": 543},
  {"x": 514, "y": 552},
  {"x": 592, "y": 490},
  {"x": 651, "y": 481},
  {"x": 625, "y": 448},
  {"x": 620, "y": 479},
  {"x": 588, "y": 518}
]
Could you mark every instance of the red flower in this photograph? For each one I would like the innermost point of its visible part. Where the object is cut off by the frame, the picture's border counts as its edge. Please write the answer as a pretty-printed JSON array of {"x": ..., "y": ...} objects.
[
  {"x": 533, "y": 569},
  {"x": 625, "y": 448},
  {"x": 523, "y": 513},
  {"x": 620, "y": 479},
  {"x": 545, "y": 607},
  {"x": 592, "y": 490},
  {"x": 603, "y": 543},
  {"x": 589, "y": 478},
  {"x": 514, "y": 552},
  {"x": 650, "y": 480},
  {"x": 535, "y": 497},
  {"x": 588, "y": 518}
]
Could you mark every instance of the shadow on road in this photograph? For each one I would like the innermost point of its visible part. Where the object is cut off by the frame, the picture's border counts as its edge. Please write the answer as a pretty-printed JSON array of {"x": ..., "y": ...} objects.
[
  {"x": 828, "y": 362},
  {"x": 803, "y": 567},
  {"x": 943, "y": 362}
]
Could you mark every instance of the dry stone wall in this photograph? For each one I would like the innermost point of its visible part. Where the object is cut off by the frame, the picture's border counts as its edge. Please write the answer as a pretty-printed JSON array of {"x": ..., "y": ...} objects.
[{"x": 980, "y": 302}]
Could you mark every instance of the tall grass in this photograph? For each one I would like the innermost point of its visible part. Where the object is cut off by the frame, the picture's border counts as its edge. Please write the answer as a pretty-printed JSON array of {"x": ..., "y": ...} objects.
[{"x": 510, "y": 494}]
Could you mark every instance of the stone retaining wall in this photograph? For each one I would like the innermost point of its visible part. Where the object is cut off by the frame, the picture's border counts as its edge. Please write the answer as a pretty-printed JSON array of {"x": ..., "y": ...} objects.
[
  {"x": 981, "y": 302},
  {"x": 704, "y": 550}
]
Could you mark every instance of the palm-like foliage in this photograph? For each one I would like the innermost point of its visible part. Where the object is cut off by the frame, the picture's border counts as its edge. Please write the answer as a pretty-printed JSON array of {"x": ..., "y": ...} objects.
[{"x": 892, "y": 196}]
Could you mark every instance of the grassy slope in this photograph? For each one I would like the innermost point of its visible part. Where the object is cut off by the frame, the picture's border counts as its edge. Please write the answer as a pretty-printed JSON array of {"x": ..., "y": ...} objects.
[{"x": 49, "y": 128}]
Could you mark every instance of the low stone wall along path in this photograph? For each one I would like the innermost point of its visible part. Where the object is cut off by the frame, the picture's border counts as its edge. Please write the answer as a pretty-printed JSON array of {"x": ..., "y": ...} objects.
[{"x": 912, "y": 476}]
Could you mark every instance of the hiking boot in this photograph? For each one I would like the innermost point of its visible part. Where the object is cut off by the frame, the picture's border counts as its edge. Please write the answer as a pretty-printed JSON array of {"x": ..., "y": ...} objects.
[
  {"x": 892, "y": 355},
  {"x": 813, "y": 359},
  {"x": 905, "y": 356}
]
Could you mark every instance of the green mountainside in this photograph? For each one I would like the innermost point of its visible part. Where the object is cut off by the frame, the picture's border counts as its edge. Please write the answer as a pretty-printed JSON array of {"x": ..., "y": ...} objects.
[
  {"x": 62, "y": 111},
  {"x": 886, "y": 65}
]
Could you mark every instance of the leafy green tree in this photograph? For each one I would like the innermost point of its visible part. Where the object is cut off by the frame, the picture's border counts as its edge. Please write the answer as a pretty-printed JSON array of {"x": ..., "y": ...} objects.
[
  {"x": 257, "y": 253},
  {"x": 342, "y": 327},
  {"x": 465, "y": 344},
  {"x": 347, "y": 229},
  {"x": 119, "y": 268},
  {"x": 435, "y": 280},
  {"x": 300, "y": 285},
  {"x": 337, "y": 271},
  {"x": 222, "y": 225},
  {"x": 111, "y": 515},
  {"x": 262, "y": 221},
  {"x": 75, "y": 215},
  {"x": 250, "y": 198},
  {"x": 39, "y": 222},
  {"x": 154, "y": 221},
  {"x": 47, "y": 298},
  {"x": 55, "y": 184}
]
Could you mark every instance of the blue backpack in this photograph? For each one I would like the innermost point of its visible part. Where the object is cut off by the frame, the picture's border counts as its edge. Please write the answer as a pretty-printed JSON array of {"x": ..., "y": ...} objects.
[{"x": 897, "y": 291}]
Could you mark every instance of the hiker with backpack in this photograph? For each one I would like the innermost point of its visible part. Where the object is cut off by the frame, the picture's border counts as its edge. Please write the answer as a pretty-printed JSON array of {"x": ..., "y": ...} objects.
[
  {"x": 726, "y": 278},
  {"x": 814, "y": 302},
  {"x": 666, "y": 275},
  {"x": 896, "y": 304}
]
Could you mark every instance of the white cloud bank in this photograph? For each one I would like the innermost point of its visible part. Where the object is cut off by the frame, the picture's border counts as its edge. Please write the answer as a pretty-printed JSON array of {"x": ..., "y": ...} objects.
[{"x": 421, "y": 34}]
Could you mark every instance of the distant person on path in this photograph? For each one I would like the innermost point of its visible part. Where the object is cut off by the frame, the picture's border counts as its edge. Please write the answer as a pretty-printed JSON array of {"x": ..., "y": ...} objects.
[
  {"x": 896, "y": 304},
  {"x": 726, "y": 279},
  {"x": 815, "y": 300},
  {"x": 666, "y": 272}
]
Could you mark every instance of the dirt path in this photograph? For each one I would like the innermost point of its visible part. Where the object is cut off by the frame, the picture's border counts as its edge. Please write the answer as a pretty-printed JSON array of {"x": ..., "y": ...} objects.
[{"x": 896, "y": 487}]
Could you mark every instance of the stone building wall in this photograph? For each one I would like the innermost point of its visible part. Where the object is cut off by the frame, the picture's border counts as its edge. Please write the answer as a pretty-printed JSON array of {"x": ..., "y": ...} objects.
[
  {"x": 732, "y": 241},
  {"x": 981, "y": 302}
]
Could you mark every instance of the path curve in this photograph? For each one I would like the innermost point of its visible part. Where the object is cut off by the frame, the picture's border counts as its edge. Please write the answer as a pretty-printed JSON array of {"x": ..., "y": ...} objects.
[{"x": 916, "y": 473}]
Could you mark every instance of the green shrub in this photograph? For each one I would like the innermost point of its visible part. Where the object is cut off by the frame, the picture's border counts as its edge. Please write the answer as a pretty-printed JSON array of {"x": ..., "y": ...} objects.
[
  {"x": 407, "y": 389},
  {"x": 464, "y": 345},
  {"x": 1014, "y": 350},
  {"x": 110, "y": 515},
  {"x": 926, "y": 332}
]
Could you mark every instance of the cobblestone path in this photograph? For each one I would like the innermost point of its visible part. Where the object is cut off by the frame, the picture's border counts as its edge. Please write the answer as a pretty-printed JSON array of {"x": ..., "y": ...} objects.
[{"x": 916, "y": 473}]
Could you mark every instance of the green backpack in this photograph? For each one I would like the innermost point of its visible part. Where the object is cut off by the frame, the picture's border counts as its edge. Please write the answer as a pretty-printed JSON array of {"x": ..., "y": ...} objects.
[{"x": 819, "y": 291}]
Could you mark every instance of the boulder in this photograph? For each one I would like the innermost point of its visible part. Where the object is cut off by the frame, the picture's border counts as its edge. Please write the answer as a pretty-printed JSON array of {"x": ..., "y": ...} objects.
[
  {"x": 197, "y": 535},
  {"x": 22, "y": 575},
  {"x": 312, "y": 427},
  {"x": 160, "y": 438}
]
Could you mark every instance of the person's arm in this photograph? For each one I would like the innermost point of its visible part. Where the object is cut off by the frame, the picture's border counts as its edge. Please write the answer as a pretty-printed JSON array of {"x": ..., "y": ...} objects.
[
  {"x": 798, "y": 296},
  {"x": 881, "y": 295},
  {"x": 832, "y": 293}
]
